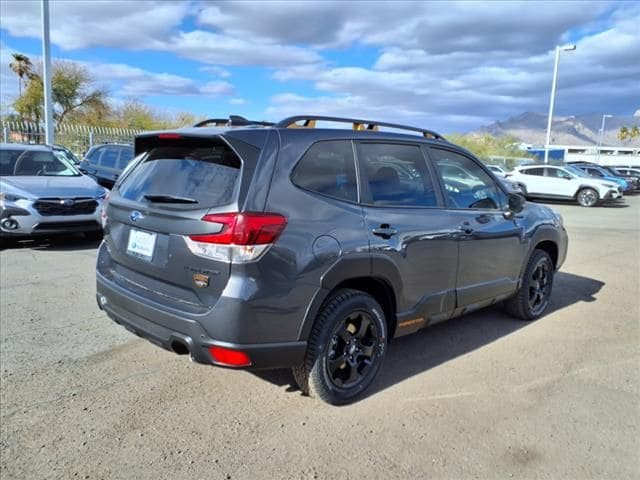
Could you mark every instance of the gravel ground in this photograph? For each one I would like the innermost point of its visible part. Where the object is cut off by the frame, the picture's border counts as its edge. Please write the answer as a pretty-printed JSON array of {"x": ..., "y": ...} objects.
[{"x": 483, "y": 396}]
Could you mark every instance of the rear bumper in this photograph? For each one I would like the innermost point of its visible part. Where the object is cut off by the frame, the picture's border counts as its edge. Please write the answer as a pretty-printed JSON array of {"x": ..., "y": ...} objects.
[{"x": 182, "y": 335}]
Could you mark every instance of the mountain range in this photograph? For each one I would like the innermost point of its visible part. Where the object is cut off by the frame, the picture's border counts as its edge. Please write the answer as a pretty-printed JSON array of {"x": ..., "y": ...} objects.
[{"x": 531, "y": 128}]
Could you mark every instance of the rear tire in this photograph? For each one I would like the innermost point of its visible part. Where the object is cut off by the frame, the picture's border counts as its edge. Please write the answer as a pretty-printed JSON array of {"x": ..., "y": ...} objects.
[
  {"x": 345, "y": 349},
  {"x": 532, "y": 299},
  {"x": 587, "y": 197}
]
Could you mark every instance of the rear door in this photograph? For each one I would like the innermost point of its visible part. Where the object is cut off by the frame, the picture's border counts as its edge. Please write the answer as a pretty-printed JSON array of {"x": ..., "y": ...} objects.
[
  {"x": 534, "y": 181},
  {"x": 407, "y": 226},
  {"x": 490, "y": 246},
  {"x": 155, "y": 209}
]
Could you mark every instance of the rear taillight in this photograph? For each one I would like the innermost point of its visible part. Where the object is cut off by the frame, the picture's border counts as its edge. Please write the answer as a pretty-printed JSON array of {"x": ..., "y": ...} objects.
[
  {"x": 243, "y": 237},
  {"x": 103, "y": 213},
  {"x": 229, "y": 357}
]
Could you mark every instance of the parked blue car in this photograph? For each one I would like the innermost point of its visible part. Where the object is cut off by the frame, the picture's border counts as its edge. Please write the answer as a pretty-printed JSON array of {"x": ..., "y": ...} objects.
[{"x": 599, "y": 172}]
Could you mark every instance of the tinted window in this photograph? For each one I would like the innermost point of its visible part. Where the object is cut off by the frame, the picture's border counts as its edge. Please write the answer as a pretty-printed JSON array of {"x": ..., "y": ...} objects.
[
  {"x": 396, "y": 175},
  {"x": 466, "y": 184},
  {"x": 595, "y": 172},
  {"x": 557, "y": 173},
  {"x": 206, "y": 174},
  {"x": 93, "y": 155},
  {"x": 534, "y": 171},
  {"x": 126, "y": 155},
  {"x": 35, "y": 163},
  {"x": 328, "y": 168},
  {"x": 109, "y": 157}
]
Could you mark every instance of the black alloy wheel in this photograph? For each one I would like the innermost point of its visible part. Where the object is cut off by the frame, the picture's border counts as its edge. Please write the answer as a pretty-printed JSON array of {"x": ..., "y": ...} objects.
[{"x": 345, "y": 349}]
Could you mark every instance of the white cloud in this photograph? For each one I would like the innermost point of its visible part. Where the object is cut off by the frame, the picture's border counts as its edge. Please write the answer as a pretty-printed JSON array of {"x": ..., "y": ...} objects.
[
  {"x": 123, "y": 80},
  {"x": 80, "y": 24},
  {"x": 447, "y": 63},
  {"x": 237, "y": 101},
  {"x": 216, "y": 71}
]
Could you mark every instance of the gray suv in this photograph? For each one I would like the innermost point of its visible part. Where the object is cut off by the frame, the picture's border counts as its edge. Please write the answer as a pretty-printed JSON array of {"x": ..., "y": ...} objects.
[{"x": 287, "y": 245}]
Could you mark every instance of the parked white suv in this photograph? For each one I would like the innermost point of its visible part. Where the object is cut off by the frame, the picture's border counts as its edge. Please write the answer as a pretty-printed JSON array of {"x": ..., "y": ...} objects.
[{"x": 567, "y": 182}]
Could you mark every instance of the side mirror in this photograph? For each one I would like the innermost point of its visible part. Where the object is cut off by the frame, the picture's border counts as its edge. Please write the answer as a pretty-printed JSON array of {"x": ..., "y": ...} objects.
[{"x": 516, "y": 202}]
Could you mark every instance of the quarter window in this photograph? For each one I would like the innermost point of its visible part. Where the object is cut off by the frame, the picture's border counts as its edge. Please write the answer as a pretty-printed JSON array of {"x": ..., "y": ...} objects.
[
  {"x": 396, "y": 175},
  {"x": 466, "y": 184},
  {"x": 328, "y": 168}
]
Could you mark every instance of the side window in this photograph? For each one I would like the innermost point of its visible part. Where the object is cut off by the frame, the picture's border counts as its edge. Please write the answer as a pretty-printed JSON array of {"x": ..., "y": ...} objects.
[
  {"x": 594, "y": 172},
  {"x": 557, "y": 173},
  {"x": 328, "y": 168},
  {"x": 109, "y": 157},
  {"x": 396, "y": 175},
  {"x": 466, "y": 184},
  {"x": 93, "y": 155},
  {"x": 126, "y": 155},
  {"x": 538, "y": 172}
]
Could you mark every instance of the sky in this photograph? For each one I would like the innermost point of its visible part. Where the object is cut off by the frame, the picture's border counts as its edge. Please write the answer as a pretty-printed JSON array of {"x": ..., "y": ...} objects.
[{"x": 446, "y": 66}]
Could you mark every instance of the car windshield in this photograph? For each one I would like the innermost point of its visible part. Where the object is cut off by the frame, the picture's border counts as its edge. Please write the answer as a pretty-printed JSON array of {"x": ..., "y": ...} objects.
[
  {"x": 21, "y": 162},
  {"x": 576, "y": 171},
  {"x": 65, "y": 154}
]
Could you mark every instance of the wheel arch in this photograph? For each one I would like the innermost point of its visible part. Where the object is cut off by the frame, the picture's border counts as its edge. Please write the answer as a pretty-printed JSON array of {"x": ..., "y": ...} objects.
[{"x": 356, "y": 274}]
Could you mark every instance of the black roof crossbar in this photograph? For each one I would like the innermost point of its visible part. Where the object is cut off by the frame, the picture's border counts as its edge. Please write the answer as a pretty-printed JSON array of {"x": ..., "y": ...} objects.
[
  {"x": 309, "y": 121},
  {"x": 232, "y": 121}
]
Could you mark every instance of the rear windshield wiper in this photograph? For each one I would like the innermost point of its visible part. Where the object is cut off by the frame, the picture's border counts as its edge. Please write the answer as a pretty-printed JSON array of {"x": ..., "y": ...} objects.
[{"x": 169, "y": 199}]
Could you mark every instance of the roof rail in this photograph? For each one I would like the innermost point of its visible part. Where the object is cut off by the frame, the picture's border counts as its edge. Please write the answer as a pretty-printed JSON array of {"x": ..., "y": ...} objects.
[
  {"x": 309, "y": 121},
  {"x": 232, "y": 121}
]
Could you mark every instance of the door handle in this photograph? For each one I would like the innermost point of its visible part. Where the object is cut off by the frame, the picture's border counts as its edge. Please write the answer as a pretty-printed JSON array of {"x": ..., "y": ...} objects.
[
  {"x": 385, "y": 231},
  {"x": 466, "y": 228}
]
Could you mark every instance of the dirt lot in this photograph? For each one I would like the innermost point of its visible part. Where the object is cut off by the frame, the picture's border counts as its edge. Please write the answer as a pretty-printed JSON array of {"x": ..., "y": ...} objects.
[{"x": 483, "y": 396}]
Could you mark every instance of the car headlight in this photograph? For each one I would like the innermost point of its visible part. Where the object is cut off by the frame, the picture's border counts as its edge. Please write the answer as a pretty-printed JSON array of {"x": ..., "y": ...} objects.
[
  {"x": 10, "y": 197},
  {"x": 610, "y": 185},
  {"x": 558, "y": 221}
]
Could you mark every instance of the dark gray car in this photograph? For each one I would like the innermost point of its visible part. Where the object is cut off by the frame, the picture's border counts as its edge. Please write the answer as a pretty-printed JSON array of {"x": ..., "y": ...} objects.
[{"x": 266, "y": 247}]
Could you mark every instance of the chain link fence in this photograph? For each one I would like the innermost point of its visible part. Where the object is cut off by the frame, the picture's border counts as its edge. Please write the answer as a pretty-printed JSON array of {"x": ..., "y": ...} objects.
[{"x": 77, "y": 138}]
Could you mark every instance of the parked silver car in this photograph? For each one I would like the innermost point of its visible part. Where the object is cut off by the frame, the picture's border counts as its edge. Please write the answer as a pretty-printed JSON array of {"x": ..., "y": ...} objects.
[{"x": 42, "y": 193}]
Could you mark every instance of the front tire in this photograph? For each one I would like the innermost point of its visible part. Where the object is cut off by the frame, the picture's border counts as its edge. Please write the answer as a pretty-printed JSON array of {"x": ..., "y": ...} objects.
[
  {"x": 345, "y": 349},
  {"x": 587, "y": 197},
  {"x": 532, "y": 299}
]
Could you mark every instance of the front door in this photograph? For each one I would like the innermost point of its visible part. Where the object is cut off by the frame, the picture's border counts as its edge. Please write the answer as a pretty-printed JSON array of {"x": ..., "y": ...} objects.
[{"x": 491, "y": 247}]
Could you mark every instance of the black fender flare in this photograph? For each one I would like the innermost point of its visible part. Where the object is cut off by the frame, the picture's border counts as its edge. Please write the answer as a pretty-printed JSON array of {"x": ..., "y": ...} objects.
[
  {"x": 541, "y": 234},
  {"x": 348, "y": 268}
]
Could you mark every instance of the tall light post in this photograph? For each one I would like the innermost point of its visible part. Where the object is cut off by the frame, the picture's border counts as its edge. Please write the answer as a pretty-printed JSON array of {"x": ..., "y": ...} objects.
[
  {"x": 553, "y": 97},
  {"x": 46, "y": 74},
  {"x": 600, "y": 136}
]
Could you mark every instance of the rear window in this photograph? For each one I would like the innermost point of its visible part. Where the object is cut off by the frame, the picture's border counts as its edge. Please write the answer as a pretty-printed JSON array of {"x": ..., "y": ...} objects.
[{"x": 206, "y": 174}]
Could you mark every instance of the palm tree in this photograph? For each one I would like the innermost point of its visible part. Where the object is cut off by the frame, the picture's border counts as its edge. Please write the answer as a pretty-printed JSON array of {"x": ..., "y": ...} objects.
[{"x": 22, "y": 66}]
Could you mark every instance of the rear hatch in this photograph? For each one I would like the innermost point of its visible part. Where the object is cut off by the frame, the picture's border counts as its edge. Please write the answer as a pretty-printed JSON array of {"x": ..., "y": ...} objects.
[{"x": 158, "y": 205}]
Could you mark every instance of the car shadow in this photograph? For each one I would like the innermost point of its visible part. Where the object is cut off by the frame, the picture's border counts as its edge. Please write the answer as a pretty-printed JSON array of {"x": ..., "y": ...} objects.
[
  {"x": 619, "y": 203},
  {"x": 414, "y": 354},
  {"x": 69, "y": 242}
]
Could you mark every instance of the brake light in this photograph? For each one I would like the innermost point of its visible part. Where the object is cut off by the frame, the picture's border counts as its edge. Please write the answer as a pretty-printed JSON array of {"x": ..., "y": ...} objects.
[
  {"x": 103, "y": 213},
  {"x": 169, "y": 136},
  {"x": 229, "y": 357},
  {"x": 243, "y": 238}
]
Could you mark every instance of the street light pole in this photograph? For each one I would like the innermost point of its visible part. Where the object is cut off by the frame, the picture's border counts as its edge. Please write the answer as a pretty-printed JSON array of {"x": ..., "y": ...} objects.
[
  {"x": 600, "y": 137},
  {"x": 46, "y": 74},
  {"x": 553, "y": 97}
]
